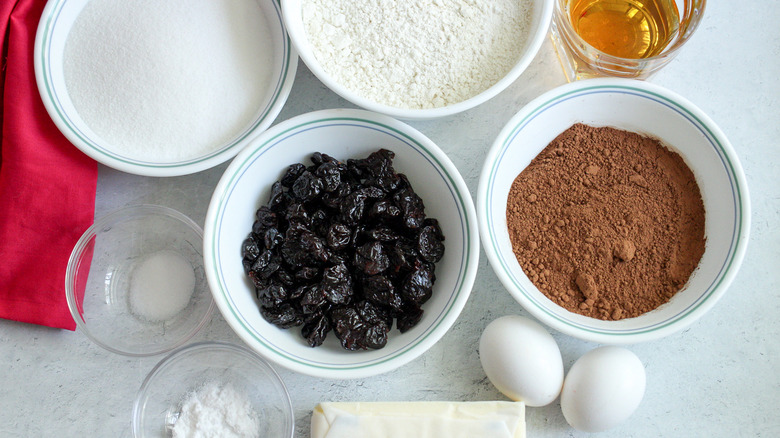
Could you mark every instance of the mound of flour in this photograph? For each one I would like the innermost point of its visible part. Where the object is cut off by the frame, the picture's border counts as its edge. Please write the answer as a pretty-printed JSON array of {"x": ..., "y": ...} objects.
[{"x": 417, "y": 53}]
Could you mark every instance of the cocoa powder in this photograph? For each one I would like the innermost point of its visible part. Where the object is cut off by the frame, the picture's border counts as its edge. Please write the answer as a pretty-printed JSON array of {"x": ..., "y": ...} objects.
[{"x": 607, "y": 223}]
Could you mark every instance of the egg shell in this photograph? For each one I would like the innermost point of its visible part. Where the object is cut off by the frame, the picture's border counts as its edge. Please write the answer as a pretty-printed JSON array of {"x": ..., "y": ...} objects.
[
  {"x": 602, "y": 389},
  {"x": 522, "y": 360}
]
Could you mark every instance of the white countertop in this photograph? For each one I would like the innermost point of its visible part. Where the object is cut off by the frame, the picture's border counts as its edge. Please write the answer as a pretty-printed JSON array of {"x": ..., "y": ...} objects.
[{"x": 718, "y": 378}]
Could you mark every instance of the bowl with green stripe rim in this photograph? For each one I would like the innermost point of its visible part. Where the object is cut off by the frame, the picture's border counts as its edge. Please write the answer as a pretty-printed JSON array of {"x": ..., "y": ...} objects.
[
  {"x": 649, "y": 110},
  {"x": 296, "y": 15},
  {"x": 54, "y": 27},
  {"x": 342, "y": 134}
]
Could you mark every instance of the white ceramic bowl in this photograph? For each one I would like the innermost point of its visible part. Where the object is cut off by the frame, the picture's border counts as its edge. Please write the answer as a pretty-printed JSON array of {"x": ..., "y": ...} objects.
[
  {"x": 634, "y": 106},
  {"x": 169, "y": 385},
  {"x": 343, "y": 134},
  {"x": 107, "y": 293},
  {"x": 537, "y": 31},
  {"x": 56, "y": 22}
]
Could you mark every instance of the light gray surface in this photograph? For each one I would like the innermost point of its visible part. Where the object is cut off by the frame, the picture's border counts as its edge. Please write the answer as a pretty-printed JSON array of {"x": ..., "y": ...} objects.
[{"x": 719, "y": 378}]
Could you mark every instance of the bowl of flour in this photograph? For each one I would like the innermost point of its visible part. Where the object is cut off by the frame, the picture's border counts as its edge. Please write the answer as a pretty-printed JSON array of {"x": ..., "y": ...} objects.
[
  {"x": 417, "y": 59},
  {"x": 163, "y": 88}
]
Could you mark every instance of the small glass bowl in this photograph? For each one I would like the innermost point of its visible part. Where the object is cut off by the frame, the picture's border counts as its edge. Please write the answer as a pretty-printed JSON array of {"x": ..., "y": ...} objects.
[
  {"x": 159, "y": 401},
  {"x": 103, "y": 293}
]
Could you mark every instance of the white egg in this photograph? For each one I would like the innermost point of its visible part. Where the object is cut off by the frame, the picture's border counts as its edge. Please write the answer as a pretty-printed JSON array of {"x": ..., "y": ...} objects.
[
  {"x": 602, "y": 389},
  {"x": 522, "y": 360}
]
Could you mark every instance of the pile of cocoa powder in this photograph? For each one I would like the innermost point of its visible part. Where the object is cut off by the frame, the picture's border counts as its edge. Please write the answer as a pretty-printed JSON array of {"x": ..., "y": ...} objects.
[{"x": 607, "y": 223}]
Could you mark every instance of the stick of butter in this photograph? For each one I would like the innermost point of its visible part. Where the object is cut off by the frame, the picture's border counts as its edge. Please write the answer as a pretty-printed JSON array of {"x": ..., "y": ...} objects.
[{"x": 487, "y": 419}]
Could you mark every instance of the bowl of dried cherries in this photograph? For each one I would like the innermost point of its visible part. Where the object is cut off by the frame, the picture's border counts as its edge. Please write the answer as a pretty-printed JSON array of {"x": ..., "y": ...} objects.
[
  {"x": 614, "y": 210},
  {"x": 341, "y": 244}
]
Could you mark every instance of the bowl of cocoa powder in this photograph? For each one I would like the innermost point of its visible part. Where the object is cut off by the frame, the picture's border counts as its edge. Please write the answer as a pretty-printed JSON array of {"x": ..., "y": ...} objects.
[{"x": 613, "y": 210}]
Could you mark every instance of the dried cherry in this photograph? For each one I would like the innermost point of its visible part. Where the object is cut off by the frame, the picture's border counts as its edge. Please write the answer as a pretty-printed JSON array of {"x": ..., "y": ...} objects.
[{"x": 343, "y": 247}]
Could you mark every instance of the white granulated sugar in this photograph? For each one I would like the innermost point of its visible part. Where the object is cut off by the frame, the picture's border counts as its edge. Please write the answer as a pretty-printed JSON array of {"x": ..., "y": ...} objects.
[
  {"x": 169, "y": 80},
  {"x": 216, "y": 411},
  {"x": 161, "y": 286},
  {"x": 417, "y": 53}
]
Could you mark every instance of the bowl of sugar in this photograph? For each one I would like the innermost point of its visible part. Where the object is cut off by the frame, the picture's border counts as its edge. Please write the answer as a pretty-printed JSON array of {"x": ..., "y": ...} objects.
[
  {"x": 135, "y": 282},
  {"x": 213, "y": 389},
  {"x": 417, "y": 60},
  {"x": 163, "y": 89}
]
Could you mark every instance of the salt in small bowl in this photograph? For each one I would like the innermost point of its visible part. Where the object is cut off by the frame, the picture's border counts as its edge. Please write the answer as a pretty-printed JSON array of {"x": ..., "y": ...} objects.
[{"x": 122, "y": 287}]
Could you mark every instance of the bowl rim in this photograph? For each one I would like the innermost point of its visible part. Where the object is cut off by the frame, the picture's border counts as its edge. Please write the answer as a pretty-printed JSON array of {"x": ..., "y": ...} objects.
[
  {"x": 51, "y": 102},
  {"x": 216, "y": 346},
  {"x": 119, "y": 215},
  {"x": 533, "y": 45},
  {"x": 376, "y": 366},
  {"x": 678, "y": 104}
]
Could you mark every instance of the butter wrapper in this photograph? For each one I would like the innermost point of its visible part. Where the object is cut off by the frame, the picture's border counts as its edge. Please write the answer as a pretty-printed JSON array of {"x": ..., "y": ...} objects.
[{"x": 484, "y": 419}]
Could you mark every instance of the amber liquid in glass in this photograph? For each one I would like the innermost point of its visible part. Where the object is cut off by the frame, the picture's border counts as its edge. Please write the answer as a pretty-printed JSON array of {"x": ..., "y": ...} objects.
[{"x": 630, "y": 29}]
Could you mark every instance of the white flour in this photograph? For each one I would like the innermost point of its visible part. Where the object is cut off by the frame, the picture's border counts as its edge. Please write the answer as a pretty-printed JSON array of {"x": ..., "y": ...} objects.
[
  {"x": 217, "y": 412},
  {"x": 417, "y": 53},
  {"x": 168, "y": 80}
]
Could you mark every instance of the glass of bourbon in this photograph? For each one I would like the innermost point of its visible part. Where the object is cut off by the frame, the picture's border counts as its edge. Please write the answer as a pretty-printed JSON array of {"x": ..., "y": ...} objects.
[{"x": 621, "y": 38}]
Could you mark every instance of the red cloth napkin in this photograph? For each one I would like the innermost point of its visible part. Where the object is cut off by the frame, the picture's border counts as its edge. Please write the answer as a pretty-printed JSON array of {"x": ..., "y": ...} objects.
[{"x": 47, "y": 186}]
